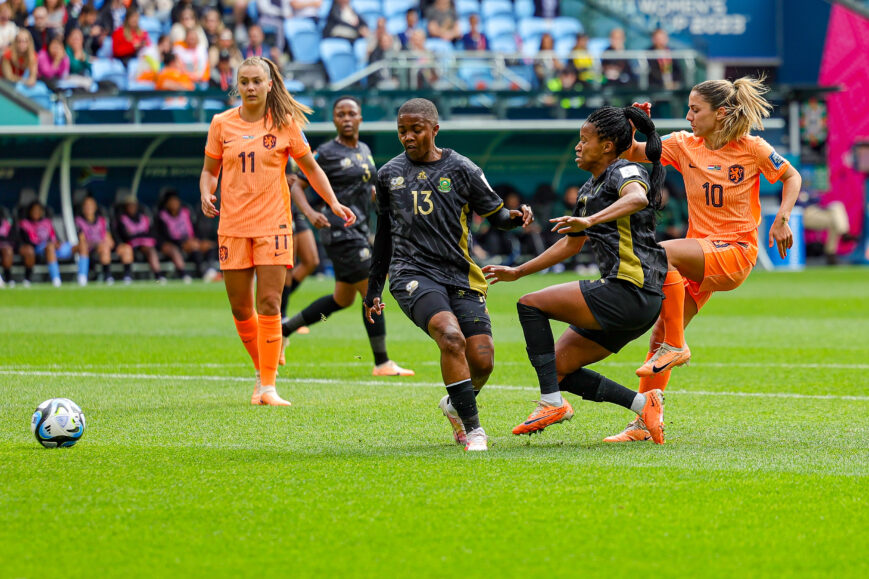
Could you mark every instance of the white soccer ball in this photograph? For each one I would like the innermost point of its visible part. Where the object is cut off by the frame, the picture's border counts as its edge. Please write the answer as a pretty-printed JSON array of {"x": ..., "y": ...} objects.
[{"x": 57, "y": 422}]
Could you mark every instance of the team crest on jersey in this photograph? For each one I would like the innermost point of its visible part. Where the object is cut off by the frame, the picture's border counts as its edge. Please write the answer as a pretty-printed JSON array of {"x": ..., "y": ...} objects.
[
  {"x": 346, "y": 162},
  {"x": 396, "y": 183},
  {"x": 364, "y": 254},
  {"x": 736, "y": 173},
  {"x": 445, "y": 185},
  {"x": 421, "y": 176},
  {"x": 411, "y": 287},
  {"x": 223, "y": 253},
  {"x": 269, "y": 141}
]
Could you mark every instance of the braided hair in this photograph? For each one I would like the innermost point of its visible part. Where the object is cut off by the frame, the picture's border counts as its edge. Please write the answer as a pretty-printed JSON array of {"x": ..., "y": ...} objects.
[{"x": 614, "y": 124}]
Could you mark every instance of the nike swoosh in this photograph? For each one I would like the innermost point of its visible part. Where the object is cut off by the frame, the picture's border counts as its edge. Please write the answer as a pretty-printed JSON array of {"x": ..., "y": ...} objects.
[
  {"x": 656, "y": 369},
  {"x": 692, "y": 166},
  {"x": 247, "y": 341},
  {"x": 225, "y": 141},
  {"x": 535, "y": 420},
  {"x": 279, "y": 254},
  {"x": 271, "y": 341}
]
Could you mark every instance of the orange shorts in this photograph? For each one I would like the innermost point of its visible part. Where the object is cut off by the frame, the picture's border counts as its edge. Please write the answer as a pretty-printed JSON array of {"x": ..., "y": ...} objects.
[
  {"x": 727, "y": 265},
  {"x": 248, "y": 252}
]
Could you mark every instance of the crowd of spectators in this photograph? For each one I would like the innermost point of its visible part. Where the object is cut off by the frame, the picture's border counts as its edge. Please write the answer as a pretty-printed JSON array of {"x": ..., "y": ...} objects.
[{"x": 126, "y": 233}]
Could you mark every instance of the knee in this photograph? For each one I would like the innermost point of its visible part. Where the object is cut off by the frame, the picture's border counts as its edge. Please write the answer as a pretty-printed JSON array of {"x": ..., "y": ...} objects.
[
  {"x": 242, "y": 313},
  {"x": 529, "y": 300},
  {"x": 269, "y": 305},
  {"x": 452, "y": 342},
  {"x": 482, "y": 366}
]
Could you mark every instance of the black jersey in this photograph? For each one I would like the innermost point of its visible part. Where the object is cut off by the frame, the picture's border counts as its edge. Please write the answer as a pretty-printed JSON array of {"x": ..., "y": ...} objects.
[
  {"x": 625, "y": 248},
  {"x": 430, "y": 207},
  {"x": 350, "y": 172}
]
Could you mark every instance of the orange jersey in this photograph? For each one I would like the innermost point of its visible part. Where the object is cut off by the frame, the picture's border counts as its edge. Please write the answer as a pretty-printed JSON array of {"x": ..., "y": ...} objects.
[
  {"x": 723, "y": 186},
  {"x": 254, "y": 196}
]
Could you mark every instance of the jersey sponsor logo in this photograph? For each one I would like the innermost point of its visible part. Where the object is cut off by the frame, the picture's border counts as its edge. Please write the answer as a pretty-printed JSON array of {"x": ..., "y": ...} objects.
[
  {"x": 364, "y": 254},
  {"x": 630, "y": 171},
  {"x": 776, "y": 160},
  {"x": 736, "y": 173},
  {"x": 269, "y": 141},
  {"x": 396, "y": 183},
  {"x": 411, "y": 287},
  {"x": 421, "y": 176},
  {"x": 223, "y": 253},
  {"x": 445, "y": 185},
  {"x": 713, "y": 168},
  {"x": 346, "y": 162}
]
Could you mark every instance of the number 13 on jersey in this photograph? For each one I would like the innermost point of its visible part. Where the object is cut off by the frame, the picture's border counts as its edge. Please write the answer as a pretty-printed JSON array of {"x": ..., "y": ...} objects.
[{"x": 422, "y": 203}]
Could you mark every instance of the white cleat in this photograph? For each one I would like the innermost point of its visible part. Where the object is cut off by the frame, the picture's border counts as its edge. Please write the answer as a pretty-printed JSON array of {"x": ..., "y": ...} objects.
[
  {"x": 459, "y": 434},
  {"x": 477, "y": 440},
  {"x": 56, "y": 282},
  {"x": 82, "y": 279}
]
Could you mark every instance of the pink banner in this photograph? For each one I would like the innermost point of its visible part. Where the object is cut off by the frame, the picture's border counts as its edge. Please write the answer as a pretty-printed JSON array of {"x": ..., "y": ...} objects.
[{"x": 846, "y": 64}]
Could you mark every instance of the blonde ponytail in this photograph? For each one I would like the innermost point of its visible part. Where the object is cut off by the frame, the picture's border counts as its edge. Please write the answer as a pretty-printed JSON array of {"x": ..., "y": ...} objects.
[
  {"x": 280, "y": 104},
  {"x": 743, "y": 102}
]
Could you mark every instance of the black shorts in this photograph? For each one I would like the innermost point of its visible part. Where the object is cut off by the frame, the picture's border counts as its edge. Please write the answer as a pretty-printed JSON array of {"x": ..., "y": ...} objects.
[
  {"x": 420, "y": 298},
  {"x": 624, "y": 311},
  {"x": 300, "y": 222},
  {"x": 351, "y": 260}
]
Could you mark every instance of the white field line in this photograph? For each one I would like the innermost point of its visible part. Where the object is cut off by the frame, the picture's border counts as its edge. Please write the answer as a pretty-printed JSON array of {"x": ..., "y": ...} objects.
[{"x": 386, "y": 382}]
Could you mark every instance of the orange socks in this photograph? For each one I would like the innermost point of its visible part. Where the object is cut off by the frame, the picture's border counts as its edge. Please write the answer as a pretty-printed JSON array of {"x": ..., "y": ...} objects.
[
  {"x": 270, "y": 342},
  {"x": 247, "y": 331},
  {"x": 654, "y": 381},
  {"x": 673, "y": 309}
]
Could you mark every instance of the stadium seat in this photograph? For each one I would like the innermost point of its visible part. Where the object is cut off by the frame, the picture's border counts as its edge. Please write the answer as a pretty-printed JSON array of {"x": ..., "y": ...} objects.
[
  {"x": 31, "y": 4},
  {"x": 363, "y": 6},
  {"x": 476, "y": 74},
  {"x": 566, "y": 26},
  {"x": 338, "y": 58},
  {"x": 294, "y": 86},
  {"x": 396, "y": 24},
  {"x": 111, "y": 70},
  {"x": 465, "y": 8},
  {"x": 523, "y": 9},
  {"x": 370, "y": 17},
  {"x": 398, "y": 7},
  {"x": 303, "y": 36},
  {"x": 152, "y": 26},
  {"x": 597, "y": 46},
  {"x": 533, "y": 27},
  {"x": 439, "y": 46},
  {"x": 499, "y": 26},
  {"x": 505, "y": 43},
  {"x": 360, "y": 49},
  {"x": 492, "y": 8},
  {"x": 105, "y": 50}
]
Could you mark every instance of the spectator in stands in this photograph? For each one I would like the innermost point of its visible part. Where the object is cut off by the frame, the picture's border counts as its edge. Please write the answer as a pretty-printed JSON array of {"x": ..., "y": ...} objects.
[
  {"x": 212, "y": 25},
  {"x": 38, "y": 239},
  {"x": 178, "y": 239},
  {"x": 73, "y": 9},
  {"x": 19, "y": 60},
  {"x": 257, "y": 47},
  {"x": 194, "y": 58},
  {"x": 223, "y": 74},
  {"x": 664, "y": 72},
  {"x": 95, "y": 240},
  {"x": 39, "y": 29},
  {"x": 79, "y": 59},
  {"x": 8, "y": 29},
  {"x": 20, "y": 13},
  {"x": 225, "y": 43},
  {"x": 426, "y": 63},
  {"x": 475, "y": 39},
  {"x": 187, "y": 21},
  {"x": 7, "y": 248},
  {"x": 151, "y": 59},
  {"x": 52, "y": 62},
  {"x": 412, "y": 19},
  {"x": 307, "y": 9},
  {"x": 583, "y": 61},
  {"x": 443, "y": 21},
  {"x": 183, "y": 5},
  {"x": 567, "y": 81},
  {"x": 134, "y": 234},
  {"x": 91, "y": 30},
  {"x": 831, "y": 218},
  {"x": 617, "y": 70},
  {"x": 344, "y": 22},
  {"x": 129, "y": 39},
  {"x": 672, "y": 222},
  {"x": 159, "y": 9},
  {"x": 384, "y": 43},
  {"x": 548, "y": 9},
  {"x": 240, "y": 21},
  {"x": 55, "y": 15},
  {"x": 112, "y": 15},
  {"x": 548, "y": 64},
  {"x": 272, "y": 14},
  {"x": 173, "y": 75}
]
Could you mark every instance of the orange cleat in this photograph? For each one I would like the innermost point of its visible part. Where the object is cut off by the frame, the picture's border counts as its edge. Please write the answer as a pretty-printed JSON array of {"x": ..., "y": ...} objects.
[
  {"x": 543, "y": 416},
  {"x": 303, "y": 330},
  {"x": 653, "y": 415},
  {"x": 635, "y": 432},
  {"x": 267, "y": 396},
  {"x": 459, "y": 434},
  {"x": 390, "y": 368},
  {"x": 665, "y": 358}
]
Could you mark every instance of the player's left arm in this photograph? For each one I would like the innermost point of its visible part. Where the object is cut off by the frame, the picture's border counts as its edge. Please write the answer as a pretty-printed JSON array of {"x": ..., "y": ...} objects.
[
  {"x": 318, "y": 180},
  {"x": 381, "y": 255},
  {"x": 780, "y": 233},
  {"x": 632, "y": 198}
]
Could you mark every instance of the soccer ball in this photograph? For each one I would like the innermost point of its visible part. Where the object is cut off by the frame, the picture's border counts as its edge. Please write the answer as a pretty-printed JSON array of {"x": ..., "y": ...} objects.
[{"x": 57, "y": 422}]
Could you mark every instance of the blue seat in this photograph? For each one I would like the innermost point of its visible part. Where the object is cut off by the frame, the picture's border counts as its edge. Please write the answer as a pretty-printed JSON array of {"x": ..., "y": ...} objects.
[
  {"x": 500, "y": 25},
  {"x": 303, "y": 36},
  {"x": 465, "y": 8},
  {"x": 476, "y": 74},
  {"x": 533, "y": 27},
  {"x": 111, "y": 70},
  {"x": 360, "y": 49},
  {"x": 506, "y": 43},
  {"x": 294, "y": 86},
  {"x": 361, "y": 6},
  {"x": 495, "y": 8},
  {"x": 565, "y": 26},
  {"x": 523, "y": 9},
  {"x": 597, "y": 46},
  {"x": 396, "y": 24},
  {"x": 152, "y": 26},
  {"x": 439, "y": 46},
  {"x": 338, "y": 58},
  {"x": 564, "y": 45},
  {"x": 105, "y": 50},
  {"x": 398, "y": 7},
  {"x": 370, "y": 17}
]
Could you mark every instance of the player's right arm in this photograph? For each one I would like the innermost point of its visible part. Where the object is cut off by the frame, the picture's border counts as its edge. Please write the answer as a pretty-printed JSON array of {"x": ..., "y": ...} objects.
[
  {"x": 208, "y": 186},
  {"x": 318, "y": 180}
]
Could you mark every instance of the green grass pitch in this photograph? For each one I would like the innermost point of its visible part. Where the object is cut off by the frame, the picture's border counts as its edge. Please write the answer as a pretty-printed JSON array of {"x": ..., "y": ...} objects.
[{"x": 764, "y": 472}]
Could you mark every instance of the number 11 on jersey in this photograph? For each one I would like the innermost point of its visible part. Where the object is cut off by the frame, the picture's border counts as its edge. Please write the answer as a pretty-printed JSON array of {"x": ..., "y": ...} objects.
[{"x": 251, "y": 155}]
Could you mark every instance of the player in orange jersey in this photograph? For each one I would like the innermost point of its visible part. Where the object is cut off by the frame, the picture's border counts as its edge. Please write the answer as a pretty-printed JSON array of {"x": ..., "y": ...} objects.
[
  {"x": 721, "y": 164},
  {"x": 251, "y": 144}
]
